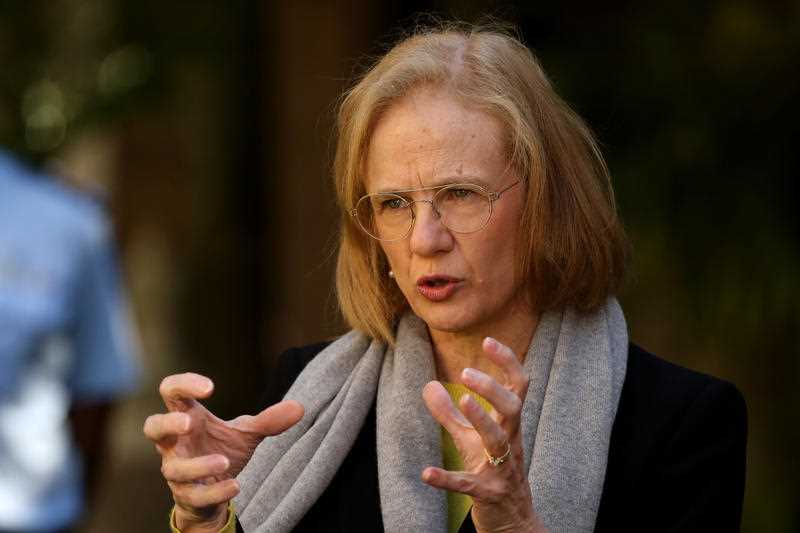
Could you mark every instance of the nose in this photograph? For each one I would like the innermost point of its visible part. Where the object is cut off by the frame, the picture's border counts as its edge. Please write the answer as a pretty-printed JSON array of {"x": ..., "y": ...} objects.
[{"x": 429, "y": 236}]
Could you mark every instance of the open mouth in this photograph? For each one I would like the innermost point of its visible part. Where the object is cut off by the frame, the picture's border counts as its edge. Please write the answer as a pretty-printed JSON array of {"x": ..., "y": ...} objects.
[
  {"x": 435, "y": 282},
  {"x": 437, "y": 288}
]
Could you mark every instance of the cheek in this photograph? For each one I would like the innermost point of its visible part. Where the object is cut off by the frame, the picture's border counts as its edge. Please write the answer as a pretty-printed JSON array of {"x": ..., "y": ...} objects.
[
  {"x": 495, "y": 257},
  {"x": 494, "y": 266},
  {"x": 394, "y": 256}
]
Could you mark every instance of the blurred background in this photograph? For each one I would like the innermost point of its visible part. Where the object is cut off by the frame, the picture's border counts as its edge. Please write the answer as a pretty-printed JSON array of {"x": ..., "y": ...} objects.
[{"x": 205, "y": 127}]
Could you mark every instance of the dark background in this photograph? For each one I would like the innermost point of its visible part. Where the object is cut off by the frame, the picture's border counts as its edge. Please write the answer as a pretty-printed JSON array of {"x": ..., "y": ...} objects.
[{"x": 206, "y": 126}]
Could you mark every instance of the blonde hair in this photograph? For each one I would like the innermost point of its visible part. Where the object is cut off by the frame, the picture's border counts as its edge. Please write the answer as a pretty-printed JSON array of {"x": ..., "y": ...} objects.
[{"x": 573, "y": 248}]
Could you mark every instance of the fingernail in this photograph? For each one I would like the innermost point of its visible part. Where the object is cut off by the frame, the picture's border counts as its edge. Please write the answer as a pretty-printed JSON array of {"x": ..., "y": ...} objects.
[
  {"x": 489, "y": 342},
  {"x": 469, "y": 373}
]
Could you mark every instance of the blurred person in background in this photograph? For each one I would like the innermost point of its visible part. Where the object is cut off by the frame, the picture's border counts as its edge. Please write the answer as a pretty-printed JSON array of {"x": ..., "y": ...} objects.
[
  {"x": 488, "y": 383},
  {"x": 66, "y": 350}
]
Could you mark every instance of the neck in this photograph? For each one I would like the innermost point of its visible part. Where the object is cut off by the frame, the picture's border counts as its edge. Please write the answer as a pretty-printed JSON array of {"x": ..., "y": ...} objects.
[{"x": 455, "y": 351}]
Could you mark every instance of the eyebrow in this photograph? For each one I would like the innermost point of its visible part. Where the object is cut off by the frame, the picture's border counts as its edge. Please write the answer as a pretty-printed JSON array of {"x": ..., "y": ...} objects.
[{"x": 471, "y": 180}]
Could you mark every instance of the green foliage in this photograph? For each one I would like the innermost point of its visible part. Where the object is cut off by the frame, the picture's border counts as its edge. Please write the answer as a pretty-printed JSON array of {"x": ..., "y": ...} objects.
[{"x": 67, "y": 65}]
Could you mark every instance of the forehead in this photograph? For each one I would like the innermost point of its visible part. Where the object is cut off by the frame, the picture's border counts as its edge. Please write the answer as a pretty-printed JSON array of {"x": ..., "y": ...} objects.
[{"x": 430, "y": 138}]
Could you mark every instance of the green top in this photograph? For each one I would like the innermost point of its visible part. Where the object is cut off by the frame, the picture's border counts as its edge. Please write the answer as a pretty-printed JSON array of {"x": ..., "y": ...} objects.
[{"x": 458, "y": 505}]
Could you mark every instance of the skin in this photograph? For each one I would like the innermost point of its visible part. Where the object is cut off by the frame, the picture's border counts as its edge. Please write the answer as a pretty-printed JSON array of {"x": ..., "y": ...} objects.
[
  {"x": 425, "y": 139},
  {"x": 428, "y": 138},
  {"x": 202, "y": 454}
]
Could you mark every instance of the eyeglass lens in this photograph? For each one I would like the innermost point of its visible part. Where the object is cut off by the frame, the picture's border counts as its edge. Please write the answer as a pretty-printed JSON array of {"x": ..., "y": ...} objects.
[{"x": 463, "y": 208}]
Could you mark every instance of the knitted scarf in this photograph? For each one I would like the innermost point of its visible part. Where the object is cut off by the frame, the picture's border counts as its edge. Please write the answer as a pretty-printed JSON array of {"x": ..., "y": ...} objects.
[{"x": 576, "y": 364}]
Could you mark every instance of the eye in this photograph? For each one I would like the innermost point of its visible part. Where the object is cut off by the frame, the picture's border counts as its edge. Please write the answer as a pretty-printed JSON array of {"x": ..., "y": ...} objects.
[
  {"x": 392, "y": 203},
  {"x": 460, "y": 192}
]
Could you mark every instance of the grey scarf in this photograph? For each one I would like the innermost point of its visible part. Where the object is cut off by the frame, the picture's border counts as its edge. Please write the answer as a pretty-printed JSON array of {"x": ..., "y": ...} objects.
[{"x": 576, "y": 365}]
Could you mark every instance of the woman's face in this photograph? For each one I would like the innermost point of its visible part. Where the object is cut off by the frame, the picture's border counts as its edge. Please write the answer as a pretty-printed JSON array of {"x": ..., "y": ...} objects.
[{"x": 455, "y": 282}]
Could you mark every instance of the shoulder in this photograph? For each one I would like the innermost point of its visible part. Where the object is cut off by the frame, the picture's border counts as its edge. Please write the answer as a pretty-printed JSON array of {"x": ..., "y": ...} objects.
[
  {"x": 661, "y": 394},
  {"x": 677, "y": 453},
  {"x": 41, "y": 201}
]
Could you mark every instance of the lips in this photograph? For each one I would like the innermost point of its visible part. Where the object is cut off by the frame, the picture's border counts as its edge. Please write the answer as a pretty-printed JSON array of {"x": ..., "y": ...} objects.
[{"x": 437, "y": 287}]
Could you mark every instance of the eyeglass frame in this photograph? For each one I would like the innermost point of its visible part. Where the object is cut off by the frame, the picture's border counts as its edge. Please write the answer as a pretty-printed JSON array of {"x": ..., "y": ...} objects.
[{"x": 492, "y": 195}]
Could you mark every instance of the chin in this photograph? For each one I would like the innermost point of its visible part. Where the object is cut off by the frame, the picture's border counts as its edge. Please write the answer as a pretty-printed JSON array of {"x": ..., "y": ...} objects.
[{"x": 446, "y": 318}]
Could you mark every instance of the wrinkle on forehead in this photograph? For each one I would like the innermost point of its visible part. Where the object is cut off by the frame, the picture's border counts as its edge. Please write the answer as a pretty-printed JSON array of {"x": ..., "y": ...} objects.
[{"x": 423, "y": 142}]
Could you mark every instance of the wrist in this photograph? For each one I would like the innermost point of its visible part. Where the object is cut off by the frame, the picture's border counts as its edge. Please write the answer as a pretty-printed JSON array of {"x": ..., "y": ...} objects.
[
  {"x": 529, "y": 523},
  {"x": 188, "y": 522}
]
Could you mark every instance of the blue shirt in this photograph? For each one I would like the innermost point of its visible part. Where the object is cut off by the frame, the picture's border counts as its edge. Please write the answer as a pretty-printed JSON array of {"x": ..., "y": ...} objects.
[{"x": 64, "y": 338}]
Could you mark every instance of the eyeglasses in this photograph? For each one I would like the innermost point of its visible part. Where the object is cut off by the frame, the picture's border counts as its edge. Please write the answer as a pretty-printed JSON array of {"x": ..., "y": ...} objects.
[{"x": 460, "y": 207}]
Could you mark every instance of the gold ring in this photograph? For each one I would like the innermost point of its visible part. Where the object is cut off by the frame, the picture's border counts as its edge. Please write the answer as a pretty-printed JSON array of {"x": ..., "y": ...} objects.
[{"x": 497, "y": 461}]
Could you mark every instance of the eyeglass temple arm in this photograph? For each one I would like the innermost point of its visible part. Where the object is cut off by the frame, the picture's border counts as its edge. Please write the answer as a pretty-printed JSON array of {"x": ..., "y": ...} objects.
[{"x": 497, "y": 195}]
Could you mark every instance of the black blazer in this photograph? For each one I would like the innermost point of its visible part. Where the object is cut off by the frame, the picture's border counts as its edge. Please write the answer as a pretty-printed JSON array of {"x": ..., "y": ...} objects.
[{"x": 676, "y": 459}]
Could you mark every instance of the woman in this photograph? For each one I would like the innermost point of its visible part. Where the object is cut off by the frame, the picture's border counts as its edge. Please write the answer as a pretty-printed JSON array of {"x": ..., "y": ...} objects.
[{"x": 487, "y": 383}]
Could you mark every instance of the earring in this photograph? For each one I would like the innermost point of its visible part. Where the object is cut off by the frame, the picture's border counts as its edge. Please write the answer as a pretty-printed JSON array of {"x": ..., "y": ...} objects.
[{"x": 391, "y": 274}]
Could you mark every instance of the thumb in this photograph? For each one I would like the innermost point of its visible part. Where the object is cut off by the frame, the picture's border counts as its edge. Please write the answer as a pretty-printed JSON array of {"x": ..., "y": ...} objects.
[{"x": 273, "y": 420}]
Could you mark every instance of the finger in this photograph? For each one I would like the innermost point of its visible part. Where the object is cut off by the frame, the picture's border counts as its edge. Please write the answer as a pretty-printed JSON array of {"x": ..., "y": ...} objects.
[
  {"x": 193, "y": 469},
  {"x": 161, "y": 427},
  {"x": 489, "y": 489},
  {"x": 504, "y": 401},
  {"x": 273, "y": 420},
  {"x": 505, "y": 358},
  {"x": 463, "y": 482},
  {"x": 179, "y": 390},
  {"x": 197, "y": 495},
  {"x": 441, "y": 407},
  {"x": 494, "y": 438}
]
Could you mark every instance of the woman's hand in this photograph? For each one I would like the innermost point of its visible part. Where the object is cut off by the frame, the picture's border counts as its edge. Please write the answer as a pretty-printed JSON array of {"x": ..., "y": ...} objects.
[
  {"x": 202, "y": 454},
  {"x": 501, "y": 494}
]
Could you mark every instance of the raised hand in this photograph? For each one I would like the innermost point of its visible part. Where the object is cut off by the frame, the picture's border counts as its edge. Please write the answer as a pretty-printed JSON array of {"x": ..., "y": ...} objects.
[
  {"x": 500, "y": 492},
  {"x": 202, "y": 454}
]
